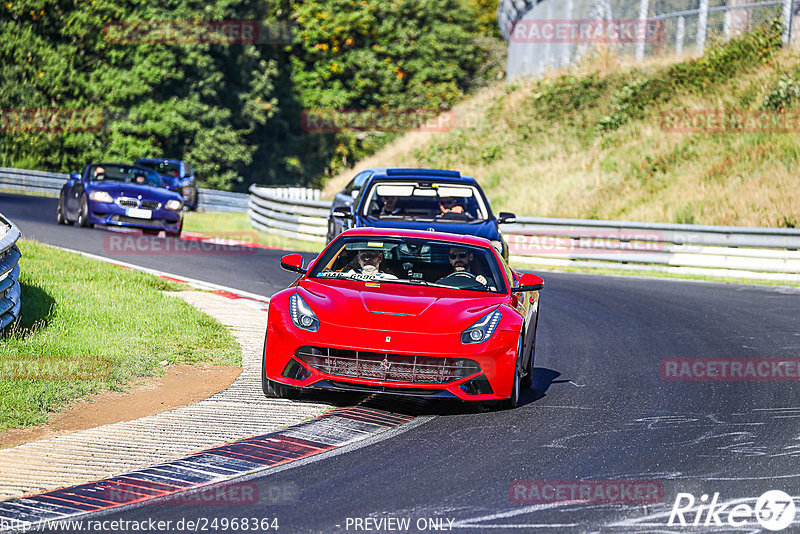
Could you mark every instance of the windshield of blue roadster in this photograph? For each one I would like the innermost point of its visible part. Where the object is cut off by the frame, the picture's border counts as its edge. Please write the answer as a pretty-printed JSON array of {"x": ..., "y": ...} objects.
[
  {"x": 123, "y": 173},
  {"x": 411, "y": 261}
]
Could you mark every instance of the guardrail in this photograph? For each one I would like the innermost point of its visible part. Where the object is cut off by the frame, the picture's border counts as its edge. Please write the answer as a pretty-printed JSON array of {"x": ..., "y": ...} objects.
[
  {"x": 731, "y": 251},
  {"x": 293, "y": 212},
  {"x": 50, "y": 183},
  {"x": 728, "y": 251},
  {"x": 10, "y": 293}
]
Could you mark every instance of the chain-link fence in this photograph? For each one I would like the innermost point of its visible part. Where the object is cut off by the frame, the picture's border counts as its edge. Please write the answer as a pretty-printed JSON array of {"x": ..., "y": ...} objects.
[{"x": 546, "y": 34}]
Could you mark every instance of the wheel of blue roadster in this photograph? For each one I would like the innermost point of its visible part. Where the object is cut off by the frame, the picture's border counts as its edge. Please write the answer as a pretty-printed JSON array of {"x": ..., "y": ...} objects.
[
  {"x": 60, "y": 218},
  {"x": 83, "y": 213}
]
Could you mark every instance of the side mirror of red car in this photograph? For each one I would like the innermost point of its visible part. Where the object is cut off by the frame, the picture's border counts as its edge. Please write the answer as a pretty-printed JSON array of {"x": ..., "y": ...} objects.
[
  {"x": 528, "y": 282},
  {"x": 294, "y": 263}
]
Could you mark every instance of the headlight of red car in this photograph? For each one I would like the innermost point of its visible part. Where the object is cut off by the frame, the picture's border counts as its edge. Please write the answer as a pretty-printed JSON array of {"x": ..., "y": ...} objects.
[
  {"x": 482, "y": 329},
  {"x": 302, "y": 316}
]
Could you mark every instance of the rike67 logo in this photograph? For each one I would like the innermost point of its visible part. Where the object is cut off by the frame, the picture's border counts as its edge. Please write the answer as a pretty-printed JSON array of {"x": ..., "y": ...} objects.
[{"x": 775, "y": 510}]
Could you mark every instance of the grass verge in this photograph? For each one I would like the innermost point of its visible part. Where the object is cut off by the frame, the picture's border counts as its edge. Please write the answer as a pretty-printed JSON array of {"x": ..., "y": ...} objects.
[
  {"x": 88, "y": 326},
  {"x": 577, "y": 268},
  {"x": 236, "y": 225},
  {"x": 594, "y": 142}
]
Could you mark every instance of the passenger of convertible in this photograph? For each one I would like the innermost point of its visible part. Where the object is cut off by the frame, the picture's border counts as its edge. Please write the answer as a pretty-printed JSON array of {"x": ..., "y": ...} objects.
[
  {"x": 369, "y": 262},
  {"x": 140, "y": 179}
]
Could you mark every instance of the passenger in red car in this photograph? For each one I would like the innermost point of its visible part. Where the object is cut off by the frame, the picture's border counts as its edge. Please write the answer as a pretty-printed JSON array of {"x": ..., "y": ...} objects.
[{"x": 370, "y": 265}]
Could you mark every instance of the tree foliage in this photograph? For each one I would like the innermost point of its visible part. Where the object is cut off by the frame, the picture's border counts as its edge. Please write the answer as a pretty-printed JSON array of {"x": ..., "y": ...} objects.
[{"x": 232, "y": 110}]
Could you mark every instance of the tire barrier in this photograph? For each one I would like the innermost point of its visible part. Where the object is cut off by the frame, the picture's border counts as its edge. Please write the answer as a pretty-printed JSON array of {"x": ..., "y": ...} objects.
[{"x": 10, "y": 294}]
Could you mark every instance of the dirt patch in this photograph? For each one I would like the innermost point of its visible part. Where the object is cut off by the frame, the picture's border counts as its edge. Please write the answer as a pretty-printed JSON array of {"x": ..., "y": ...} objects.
[{"x": 181, "y": 385}]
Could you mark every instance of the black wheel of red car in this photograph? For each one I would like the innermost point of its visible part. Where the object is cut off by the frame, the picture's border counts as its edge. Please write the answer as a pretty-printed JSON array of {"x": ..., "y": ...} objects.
[
  {"x": 513, "y": 401},
  {"x": 277, "y": 390},
  {"x": 527, "y": 380},
  {"x": 60, "y": 218},
  {"x": 83, "y": 214}
]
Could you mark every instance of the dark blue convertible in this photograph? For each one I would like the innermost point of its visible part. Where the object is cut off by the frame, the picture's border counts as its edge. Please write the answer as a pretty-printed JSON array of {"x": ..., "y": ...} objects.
[
  {"x": 115, "y": 194},
  {"x": 417, "y": 199}
]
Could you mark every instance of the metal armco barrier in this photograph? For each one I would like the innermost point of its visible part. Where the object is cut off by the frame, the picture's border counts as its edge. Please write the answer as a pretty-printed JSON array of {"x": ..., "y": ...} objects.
[
  {"x": 293, "y": 212},
  {"x": 728, "y": 251},
  {"x": 732, "y": 251},
  {"x": 51, "y": 182},
  {"x": 10, "y": 294}
]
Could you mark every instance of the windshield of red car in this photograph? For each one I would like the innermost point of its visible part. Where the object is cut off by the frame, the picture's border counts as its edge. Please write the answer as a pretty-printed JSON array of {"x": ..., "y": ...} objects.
[
  {"x": 411, "y": 261},
  {"x": 425, "y": 202},
  {"x": 124, "y": 173}
]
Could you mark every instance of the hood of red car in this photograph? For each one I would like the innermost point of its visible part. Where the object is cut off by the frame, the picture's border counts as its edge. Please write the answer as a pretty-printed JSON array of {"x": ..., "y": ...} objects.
[{"x": 397, "y": 307}]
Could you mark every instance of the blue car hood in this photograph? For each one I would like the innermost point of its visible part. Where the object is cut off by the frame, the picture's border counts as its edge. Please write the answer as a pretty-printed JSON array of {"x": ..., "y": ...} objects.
[
  {"x": 485, "y": 229},
  {"x": 121, "y": 189}
]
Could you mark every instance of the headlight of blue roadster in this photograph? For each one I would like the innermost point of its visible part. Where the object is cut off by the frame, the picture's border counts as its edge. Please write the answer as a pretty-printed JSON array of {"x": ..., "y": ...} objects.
[
  {"x": 101, "y": 196},
  {"x": 173, "y": 204},
  {"x": 481, "y": 330},
  {"x": 302, "y": 316}
]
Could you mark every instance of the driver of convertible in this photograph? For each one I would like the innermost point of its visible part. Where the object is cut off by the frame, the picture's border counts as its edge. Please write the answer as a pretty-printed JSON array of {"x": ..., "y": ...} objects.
[
  {"x": 369, "y": 262},
  {"x": 462, "y": 260}
]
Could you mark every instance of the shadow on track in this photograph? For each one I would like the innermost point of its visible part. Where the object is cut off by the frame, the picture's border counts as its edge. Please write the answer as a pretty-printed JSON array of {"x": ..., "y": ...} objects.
[{"x": 418, "y": 406}]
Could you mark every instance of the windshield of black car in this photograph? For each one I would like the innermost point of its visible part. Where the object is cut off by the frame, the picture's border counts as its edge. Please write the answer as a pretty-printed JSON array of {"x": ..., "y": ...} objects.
[
  {"x": 124, "y": 173},
  {"x": 162, "y": 167},
  {"x": 411, "y": 261},
  {"x": 425, "y": 201}
]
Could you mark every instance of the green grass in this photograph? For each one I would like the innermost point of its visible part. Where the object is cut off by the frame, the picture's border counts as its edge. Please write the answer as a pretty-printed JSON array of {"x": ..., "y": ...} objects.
[
  {"x": 237, "y": 226},
  {"x": 10, "y": 189},
  {"x": 77, "y": 312},
  {"x": 589, "y": 143}
]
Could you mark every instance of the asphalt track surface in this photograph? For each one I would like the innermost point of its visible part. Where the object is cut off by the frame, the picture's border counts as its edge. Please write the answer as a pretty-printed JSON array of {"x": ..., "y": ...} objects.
[{"x": 600, "y": 411}]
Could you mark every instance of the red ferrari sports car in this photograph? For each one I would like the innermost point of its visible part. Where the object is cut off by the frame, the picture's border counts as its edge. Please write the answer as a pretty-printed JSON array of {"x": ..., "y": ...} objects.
[{"x": 404, "y": 312}]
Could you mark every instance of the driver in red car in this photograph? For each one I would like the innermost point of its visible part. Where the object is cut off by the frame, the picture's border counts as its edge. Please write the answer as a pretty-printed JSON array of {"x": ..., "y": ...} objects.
[{"x": 462, "y": 261}]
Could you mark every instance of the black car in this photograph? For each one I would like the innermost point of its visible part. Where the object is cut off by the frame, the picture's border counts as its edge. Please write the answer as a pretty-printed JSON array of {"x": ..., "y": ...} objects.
[
  {"x": 417, "y": 199},
  {"x": 177, "y": 176}
]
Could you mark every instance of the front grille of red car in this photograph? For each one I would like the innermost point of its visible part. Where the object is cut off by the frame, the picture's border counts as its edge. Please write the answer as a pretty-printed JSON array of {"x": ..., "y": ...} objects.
[{"x": 387, "y": 367}]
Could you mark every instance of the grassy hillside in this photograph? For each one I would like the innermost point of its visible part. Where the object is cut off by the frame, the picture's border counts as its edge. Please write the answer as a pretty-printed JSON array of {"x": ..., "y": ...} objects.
[{"x": 590, "y": 144}]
